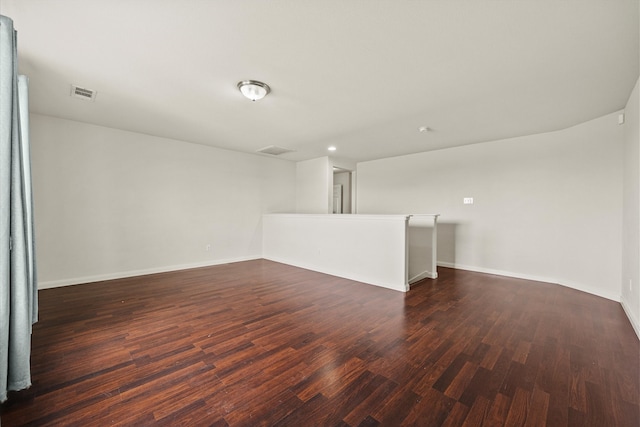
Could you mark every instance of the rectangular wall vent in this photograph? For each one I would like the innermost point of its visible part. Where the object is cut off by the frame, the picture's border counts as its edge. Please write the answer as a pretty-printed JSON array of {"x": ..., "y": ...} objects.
[
  {"x": 274, "y": 150},
  {"x": 83, "y": 93}
]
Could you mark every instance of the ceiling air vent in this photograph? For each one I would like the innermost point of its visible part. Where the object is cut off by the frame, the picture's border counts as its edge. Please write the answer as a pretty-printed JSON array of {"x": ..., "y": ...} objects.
[
  {"x": 83, "y": 93},
  {"x": 274, "y": 150}
]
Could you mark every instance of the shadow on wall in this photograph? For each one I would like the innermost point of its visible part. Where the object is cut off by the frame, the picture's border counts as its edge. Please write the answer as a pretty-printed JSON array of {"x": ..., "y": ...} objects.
[
  {"x": 447, "y": 242},
  {"x": 420, "y": 250},
  {"x": 420, "y": 238}
]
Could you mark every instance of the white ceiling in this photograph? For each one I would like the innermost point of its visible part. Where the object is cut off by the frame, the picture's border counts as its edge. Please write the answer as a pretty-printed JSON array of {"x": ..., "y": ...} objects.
[{"x": 362, "y": 75}]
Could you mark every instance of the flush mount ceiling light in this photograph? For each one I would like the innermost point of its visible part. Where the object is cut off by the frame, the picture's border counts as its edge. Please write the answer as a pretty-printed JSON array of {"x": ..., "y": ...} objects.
[
  {"x": 332, "y": 148},
  {"x": 253, "y": 89},
  {"x": 424, "y": 129}
]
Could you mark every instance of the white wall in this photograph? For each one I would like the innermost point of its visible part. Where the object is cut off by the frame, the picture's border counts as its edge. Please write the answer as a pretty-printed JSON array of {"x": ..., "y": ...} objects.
[
  {"x": 344, "y": 179},
  {"x": 348, "y": 165},
  {"x": 111, "y": 203},
  {"x": 366, "y": 248},
  {"x": 631, "y": 212},
  {"x": 547, "y": 206},
  {"x": 314, "y": 186}
]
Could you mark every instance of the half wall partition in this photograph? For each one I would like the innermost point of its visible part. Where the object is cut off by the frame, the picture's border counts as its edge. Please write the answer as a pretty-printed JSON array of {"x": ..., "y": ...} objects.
[{"x": 373, "y": 249}]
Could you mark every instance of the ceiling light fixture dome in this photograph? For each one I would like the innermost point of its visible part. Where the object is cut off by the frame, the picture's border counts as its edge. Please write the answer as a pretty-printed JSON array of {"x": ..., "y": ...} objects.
[{"x": 253, "y": 89}]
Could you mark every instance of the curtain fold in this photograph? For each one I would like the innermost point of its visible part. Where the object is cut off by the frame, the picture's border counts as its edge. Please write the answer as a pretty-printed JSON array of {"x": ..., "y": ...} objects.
[{"x": 18, "y": 283}]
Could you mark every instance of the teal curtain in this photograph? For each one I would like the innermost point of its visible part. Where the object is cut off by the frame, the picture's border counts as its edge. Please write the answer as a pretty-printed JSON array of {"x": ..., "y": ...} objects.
[{"x": 18, "y": 284}]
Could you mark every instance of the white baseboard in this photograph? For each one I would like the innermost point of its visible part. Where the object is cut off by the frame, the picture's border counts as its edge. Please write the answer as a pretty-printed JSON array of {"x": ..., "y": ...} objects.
[
  {"x": 577, "y": 286},
  {"x": 132, "y": 273},
  {"x": 423, "y": 275},
  {"x": 350, "y": 275},
  {"x": 635, "y": 323},
  {"x": 634, "y": 320}
]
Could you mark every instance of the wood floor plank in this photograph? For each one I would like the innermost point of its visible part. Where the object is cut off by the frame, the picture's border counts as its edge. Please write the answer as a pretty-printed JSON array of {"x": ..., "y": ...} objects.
[
  {"x": 518, "y": 409},
  {"x": 478, "y": 413},
  {"x": 457, "y": 415},
  {"x": 499, "y": 410},
  {"x": 537, "y": 415},
  {"x": 259, "y": 343},
  {"x": 432, "y": 409}
]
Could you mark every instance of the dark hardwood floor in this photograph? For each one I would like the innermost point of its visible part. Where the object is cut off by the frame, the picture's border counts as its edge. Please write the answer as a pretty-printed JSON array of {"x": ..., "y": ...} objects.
[{"x": 261, "y": 343}]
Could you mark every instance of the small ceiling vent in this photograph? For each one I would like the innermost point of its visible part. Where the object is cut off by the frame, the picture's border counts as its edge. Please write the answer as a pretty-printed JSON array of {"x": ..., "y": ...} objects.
[
  {"x": 83, "y": 93},
  {"x": 274, "y": 150}
]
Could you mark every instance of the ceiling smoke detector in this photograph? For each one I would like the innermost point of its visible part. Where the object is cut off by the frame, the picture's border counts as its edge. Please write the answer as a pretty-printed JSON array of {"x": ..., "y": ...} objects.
[{"x": 83, "y": 93}]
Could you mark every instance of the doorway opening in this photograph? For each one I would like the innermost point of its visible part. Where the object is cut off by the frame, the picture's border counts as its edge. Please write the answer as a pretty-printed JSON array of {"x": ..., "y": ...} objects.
[{"x": 342, "y": 191}]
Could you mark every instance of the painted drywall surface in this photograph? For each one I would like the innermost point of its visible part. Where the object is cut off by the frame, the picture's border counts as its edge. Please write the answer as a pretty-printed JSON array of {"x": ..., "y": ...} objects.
[
  {"x": 421, "y": 247},
  {"x": 112, "y": 203},
  {"x": 349, "y": 165},
  {"x": 370, "y": 249},
  {"x": 342, "y": 163},
  {"x": 344, "y": 179},
  {"x": 314, "y": 186},
  {"x": 546, "y": 206},
  {"x": 631, "y": 212},
  {"x": 314, "y": 183}
]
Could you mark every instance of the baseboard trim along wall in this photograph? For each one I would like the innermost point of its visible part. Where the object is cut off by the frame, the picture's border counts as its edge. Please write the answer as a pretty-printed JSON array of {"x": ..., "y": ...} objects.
[
  {"x": 337, "y": 273},
  {"x": 576, "y": 286},
  {"x": 133, "y": 273},
  {"x": 424, "y": 275},
  {"x": 634, "y": 322}
]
